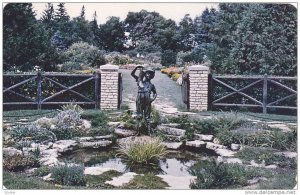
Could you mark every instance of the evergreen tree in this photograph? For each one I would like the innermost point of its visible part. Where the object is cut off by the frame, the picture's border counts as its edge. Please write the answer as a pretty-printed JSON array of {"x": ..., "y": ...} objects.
[
  {"x": 25, "y": 41},
  {"x": 82, "y": 13},
  {"x": 48, "y": 16},
  {"x": 186, "y": 33},
  {"x": 63, "y": 24},
  {"x": 95, "y": 31}
]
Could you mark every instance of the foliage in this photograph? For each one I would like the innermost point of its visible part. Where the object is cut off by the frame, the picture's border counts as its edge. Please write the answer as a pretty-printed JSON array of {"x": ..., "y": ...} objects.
[
  {"x": 266, "y": 155},
  {"x": 147, "y": 181},
  {"x": 72, "y": 106},
  {"x": 243, "y": 39},
  {"x": 69, "y": 175},
  {"x": 25, "y": 41},
  {"x": 15, "y": 181},
  {"x": 98, "y": 118},
  {"x": 117, "y": 58},
  {"x": 284, "y": 180},
  {"x": 141, "y": 150},
  {"x": 81, "y": 54},
  {"x": 41, "y": 171},
  {"x": 32, "y": 132},
  {"x": 211, "y": 175},
  {"x": 112, "y": 34},
  {"x": 98, "y": 181},
  {"x": 67, "y": 119},
  {"x": 273, "y": 139},
  {"x": 19, "y": 162},
  {"x": 168, "y": 58}
]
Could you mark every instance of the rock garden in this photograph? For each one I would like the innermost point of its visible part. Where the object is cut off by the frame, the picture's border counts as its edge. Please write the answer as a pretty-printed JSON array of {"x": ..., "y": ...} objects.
[{"x": 74, "y": 148}]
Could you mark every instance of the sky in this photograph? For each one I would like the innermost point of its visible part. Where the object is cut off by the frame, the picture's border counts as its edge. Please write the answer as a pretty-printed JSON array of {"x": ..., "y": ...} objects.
[{"x": 174, "y": 11}]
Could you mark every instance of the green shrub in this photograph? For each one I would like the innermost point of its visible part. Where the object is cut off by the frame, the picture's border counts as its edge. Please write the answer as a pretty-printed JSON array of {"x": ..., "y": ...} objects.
[
  {"x": 273, "y": 139},
  {"x": 98, "y": 119},
  {"x": 211, "y": 175},
  {"x": 141, "y": 150},
  {"x": 267, "y": 155},
  {"x": 117, "y": 58},
  {"x": 19, "y": 162},
  {"x": 41, "y": 171},
  {"x": 168, "y": 58},
  {"x": 32, "y": 132},
  {"x": 67, "y": 119},
  {"x": 69, "y": 175},
  {"x": 146, "y": 181},
  {"x": 73, "y": 107},
  {"x": 80, "y": 54}
]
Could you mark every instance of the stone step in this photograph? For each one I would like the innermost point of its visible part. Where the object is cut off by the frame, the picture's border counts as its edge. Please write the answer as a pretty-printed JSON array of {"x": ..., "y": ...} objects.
[
  {"x": 86, "y": 139},
  {"x": 172, "y": 145},
  {"x": 196, "y": 143},
  {"x": 171, "y": 130},
  {"x": 213, "y": 146},
  {"x": 124, "y": 132},
  {"x": 96, "y": 144},
  {"x": 203, "y": 137}
]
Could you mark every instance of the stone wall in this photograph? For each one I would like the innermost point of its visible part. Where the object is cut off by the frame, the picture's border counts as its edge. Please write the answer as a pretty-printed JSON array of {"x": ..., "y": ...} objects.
[
  {"x": 198, "y": 77},
  {"x": 109, "y": 87}
]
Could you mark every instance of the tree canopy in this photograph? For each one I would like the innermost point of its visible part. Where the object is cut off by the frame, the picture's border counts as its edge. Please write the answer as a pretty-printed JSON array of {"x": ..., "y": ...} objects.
[{"x": 236, "y": 38}]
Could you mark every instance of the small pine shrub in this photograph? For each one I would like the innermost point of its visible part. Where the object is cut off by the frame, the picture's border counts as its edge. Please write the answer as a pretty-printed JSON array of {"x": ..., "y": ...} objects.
[
  {"x": 41, "y": 171},
  {"x": 19, "y": 162},
  {"x": 69, "y": 175}
]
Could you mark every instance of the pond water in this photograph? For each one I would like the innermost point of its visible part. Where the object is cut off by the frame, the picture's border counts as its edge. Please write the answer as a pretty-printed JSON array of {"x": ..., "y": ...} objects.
[{"x": 174, "y": 163}]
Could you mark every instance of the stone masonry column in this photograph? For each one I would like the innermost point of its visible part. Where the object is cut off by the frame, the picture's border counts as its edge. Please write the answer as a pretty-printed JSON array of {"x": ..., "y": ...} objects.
[
  {"x": 198, "y": 77},
  {"x": 109, "y": 87}
]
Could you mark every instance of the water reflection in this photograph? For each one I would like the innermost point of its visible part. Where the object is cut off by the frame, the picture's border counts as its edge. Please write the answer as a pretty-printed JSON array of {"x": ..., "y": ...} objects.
[{"x": 175, "y": 164}]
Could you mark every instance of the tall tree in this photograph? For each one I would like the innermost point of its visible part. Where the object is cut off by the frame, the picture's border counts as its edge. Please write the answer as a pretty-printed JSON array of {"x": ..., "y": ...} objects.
[
  {"x": 25, "y": 43},
  {"x": 81, "y": 30},
  {"x": 48, "y": 16},
  {"x": 186, "y": 32},
  {"x": 95, "y": 31},
  {"x": 112, "y": 34},
  {"x": 63, "y": 24}
]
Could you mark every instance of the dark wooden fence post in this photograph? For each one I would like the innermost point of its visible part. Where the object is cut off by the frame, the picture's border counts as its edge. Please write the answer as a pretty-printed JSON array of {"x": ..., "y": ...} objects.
[
  {"x": 39, "y": 90},
  {"x": 120, "y": 89},
  {"x": 265, "y": 93},
  {"x": 97, "y": 90},
  {"x": 210, "y": 92}
]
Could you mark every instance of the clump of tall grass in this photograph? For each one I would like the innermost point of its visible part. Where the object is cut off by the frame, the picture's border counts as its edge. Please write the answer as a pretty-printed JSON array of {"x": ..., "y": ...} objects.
[{"x": 141, "y": 150}]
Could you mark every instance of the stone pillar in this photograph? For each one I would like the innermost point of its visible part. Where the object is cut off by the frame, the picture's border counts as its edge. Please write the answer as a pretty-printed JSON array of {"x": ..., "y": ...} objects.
[
  {"x": 109, "y": 87},
  {"x": 198, "y": 76}
]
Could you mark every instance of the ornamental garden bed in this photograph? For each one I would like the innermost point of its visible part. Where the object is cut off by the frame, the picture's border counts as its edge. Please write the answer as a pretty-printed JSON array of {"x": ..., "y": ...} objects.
[{"x": 90, "y": 149}]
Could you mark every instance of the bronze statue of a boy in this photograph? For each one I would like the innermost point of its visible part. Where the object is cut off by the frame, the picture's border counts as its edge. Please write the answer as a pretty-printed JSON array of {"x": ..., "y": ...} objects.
[{"x": 146, "y": 91}]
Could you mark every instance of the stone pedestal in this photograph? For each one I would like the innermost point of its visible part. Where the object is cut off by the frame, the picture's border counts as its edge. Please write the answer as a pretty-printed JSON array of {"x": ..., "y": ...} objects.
[
  {"x": 198, "y": 76},
  {"x": 109, "y": 87}
]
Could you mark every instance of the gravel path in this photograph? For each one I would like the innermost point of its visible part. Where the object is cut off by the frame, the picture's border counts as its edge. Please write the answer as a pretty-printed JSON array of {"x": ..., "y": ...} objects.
[{"x": 168, "y": 99}]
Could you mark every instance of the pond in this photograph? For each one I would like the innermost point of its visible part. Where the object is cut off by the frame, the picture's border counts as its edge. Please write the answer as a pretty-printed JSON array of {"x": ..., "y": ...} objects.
[{"x": 175, "y": 163}]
